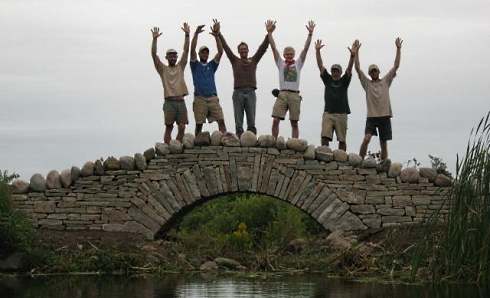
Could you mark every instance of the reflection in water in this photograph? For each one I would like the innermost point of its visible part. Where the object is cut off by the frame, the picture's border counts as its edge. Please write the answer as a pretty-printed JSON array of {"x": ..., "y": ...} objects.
[{"x": 212, "y": 286}]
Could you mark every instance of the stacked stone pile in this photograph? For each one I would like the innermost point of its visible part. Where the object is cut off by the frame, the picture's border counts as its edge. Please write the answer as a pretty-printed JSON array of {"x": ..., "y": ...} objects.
[{"x": 141, "y": 193}]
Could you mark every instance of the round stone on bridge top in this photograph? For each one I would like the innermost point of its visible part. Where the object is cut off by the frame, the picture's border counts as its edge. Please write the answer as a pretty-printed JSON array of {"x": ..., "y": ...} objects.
[
  {"x": 248, "y": 139},
  {"x": 281, "y": 143},
  {"x": 75, "y": 173},
  {"x": 175, "y": 146},
  {"x": 395, "y": 170},
  {"x": 99, "y": 168},
  {"x": 309, "y": 153},
  {"x": 298, "y": 145},
  {"x": 112, "y": 164},
  {"x": 149, "y": 154},
  {"x": 65, "y": 178},
  {"x": 340, "y": 155},
  {"x": 188, "y": 141},
  {"x": 442, "y": 180},
  {"x": 216, "y": 138},
  {"x": 38, "y": 183},
  {"x": 410, "y": 175},
  {"x": 324, "y": 153},
  {"x": 369, "y": 163},
  {"x": 428, "y": 173},
  {"x": 20, "y": 186},
  {"x": 203, "y": 139},
  {"x": 87, "y": 169},
  {"x": 162, "y": 149},
  {"x": 53, "y": 180},
  {"x": 267, "y": 141},
  {"x": 355, "y": 159},
  {"x": 140, "y": 161},
  {"x": 230, "y": 140},
  {"x": 127, "y": 163}
]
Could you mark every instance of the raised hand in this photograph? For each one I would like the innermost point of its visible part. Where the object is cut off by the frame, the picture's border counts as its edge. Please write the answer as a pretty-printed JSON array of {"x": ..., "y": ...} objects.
[
  {"x": 398, "y": 43},
  {"x": 270, "y": 26},
  {"x": 199, "y": 29},
  {"x": 319, "y": 45},
  {"x": 215, "y": 28},
  {"x": 310, "y": 27},
  {"x": 355, "y": 47},
  {"x": 186, "y": 28},
  {"x": 155, "y": 32}
]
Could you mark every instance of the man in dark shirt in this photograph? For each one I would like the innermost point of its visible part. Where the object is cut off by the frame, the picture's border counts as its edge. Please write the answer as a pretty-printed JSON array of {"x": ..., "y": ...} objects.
[
  {"x": 245, "y": 83},
  {"x": 336, "y": 100}
]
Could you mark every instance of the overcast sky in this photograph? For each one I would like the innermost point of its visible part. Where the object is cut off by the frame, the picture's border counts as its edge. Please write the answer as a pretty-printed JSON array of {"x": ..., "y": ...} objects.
[{"x": 77, "y": 81}]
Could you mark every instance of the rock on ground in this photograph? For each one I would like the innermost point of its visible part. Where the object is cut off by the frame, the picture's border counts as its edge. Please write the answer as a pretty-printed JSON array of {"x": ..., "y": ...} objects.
[
  {"x": 209, "y": 266},
  {"x": 229, "y": 263},
  {"x": 337, "y": 241}
]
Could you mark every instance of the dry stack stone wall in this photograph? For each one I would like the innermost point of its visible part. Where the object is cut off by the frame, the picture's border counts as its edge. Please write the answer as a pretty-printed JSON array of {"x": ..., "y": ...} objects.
[{"x": 141, "y": 193}]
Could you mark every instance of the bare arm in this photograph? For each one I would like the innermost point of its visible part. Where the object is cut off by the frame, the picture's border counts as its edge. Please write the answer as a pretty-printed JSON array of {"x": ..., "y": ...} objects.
[
  {"x": 355, "y": 49},
  {"x": 185, "y": 52},
  {"x": 398, "y": 44},
  {"x": 310, "y": 27},
  {"x": 261, "y": 50},
  {"x": 156, "y": 60},
  {"x": 194, "y": 42},
  {"x": 348, "y": 71},
  {"x": 215, "y": 29},
  {"x": 319, "y": 61},
  {"x": 270, "y": 27}
]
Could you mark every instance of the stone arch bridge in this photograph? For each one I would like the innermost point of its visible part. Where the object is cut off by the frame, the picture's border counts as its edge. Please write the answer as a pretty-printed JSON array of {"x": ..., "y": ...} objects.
[{"x": 144, "y": 193}]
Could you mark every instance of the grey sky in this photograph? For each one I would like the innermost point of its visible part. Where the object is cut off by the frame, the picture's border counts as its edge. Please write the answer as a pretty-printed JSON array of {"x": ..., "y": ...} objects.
[{"x": 77, "y": 80}]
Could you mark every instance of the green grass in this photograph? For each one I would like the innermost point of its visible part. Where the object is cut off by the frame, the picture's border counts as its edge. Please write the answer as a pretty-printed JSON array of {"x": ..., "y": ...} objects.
[{"x": 461, "y": 251}]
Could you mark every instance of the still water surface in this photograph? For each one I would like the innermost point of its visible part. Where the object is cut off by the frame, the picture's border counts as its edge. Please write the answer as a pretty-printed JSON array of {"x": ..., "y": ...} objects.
[{"x": 219, "y": 286}]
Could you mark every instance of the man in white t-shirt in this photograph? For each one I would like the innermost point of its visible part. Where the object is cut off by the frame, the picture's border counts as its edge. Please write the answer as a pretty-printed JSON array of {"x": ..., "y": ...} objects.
[{"x": 289, "y": 77}]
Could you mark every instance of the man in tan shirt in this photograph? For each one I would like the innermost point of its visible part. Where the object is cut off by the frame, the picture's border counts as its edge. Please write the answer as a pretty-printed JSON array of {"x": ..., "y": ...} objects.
[
  {"x": 378, "y": 101},
  {"x": 174, "y": 87}
]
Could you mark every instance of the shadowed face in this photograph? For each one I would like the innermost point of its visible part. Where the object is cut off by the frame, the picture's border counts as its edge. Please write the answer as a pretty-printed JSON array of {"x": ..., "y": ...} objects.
[
  {"x": 204, "y": 55},
  {"x": 374, "y": 74},
  {"x": 336, "y": 73},
  {"x": 243, "y": 50},
  {"x": 288, "y": 54},
  {"x": 171, "y": 58}
]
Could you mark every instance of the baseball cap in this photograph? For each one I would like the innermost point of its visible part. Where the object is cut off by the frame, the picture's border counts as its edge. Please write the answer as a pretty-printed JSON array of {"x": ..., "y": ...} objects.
[
  {"x": 203, "y": 48},
  {"x": 372, "y": 67},
  {"x": 336, "y": 66},
  {"x": 171, "y": 51}
]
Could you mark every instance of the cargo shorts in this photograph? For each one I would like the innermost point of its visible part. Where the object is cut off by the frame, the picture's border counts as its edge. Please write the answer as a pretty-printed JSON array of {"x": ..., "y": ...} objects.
[
  {"x": 207, "y": 108},
  {"x": 174, "y": 110},
  {"x": 287, "y": 100},
  {"x": 332, "y": 122}
]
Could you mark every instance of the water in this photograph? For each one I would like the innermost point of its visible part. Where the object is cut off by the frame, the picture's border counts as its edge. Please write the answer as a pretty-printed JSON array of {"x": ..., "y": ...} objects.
[{"x": 219, "y": 286}]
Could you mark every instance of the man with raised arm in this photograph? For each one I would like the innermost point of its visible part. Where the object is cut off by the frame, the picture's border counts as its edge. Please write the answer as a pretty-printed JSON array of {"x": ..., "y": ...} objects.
[
  {"x": 245, "y": 83},
  {"x": 174, "y": 87},
  {"x": 378, "y": 101},
  {"x": 289, "y": 98},
  {"x": 336, "y": 100},
  {"x": 206, "y": 102}
]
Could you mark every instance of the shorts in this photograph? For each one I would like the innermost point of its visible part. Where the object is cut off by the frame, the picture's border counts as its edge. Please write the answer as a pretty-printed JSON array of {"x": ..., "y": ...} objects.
[
  {"x": 382, "y": 124},
  {"x": 287, "y": 100},
  {"x": 334, "y": 122},
  {"x": 207, "y": 107},
  {"x": 174, "y": 110}
]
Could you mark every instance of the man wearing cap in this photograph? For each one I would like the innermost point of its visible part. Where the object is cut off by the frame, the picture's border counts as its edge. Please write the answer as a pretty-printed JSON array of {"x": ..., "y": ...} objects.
[
  {"x": 206, "y": 102},
  {"x": 289, "y": 77},
  {"x": 379, "y": 113},
  {"x": 336, "y": 100},
  {"x": 174, "y": 87},
  {"x": 245, "y": 83}
]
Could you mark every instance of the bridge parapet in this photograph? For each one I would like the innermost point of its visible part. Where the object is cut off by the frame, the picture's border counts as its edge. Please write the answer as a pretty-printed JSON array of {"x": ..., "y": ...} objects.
[{"x": 145, "y": 193}]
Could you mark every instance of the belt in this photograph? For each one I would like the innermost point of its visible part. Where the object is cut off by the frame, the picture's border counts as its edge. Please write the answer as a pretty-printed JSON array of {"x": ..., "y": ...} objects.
[{"x": 288, "y": 90}]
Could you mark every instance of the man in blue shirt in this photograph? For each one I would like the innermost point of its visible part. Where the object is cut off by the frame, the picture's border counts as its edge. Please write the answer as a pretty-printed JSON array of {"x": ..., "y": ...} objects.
[{"x": 206, "y": 102}]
